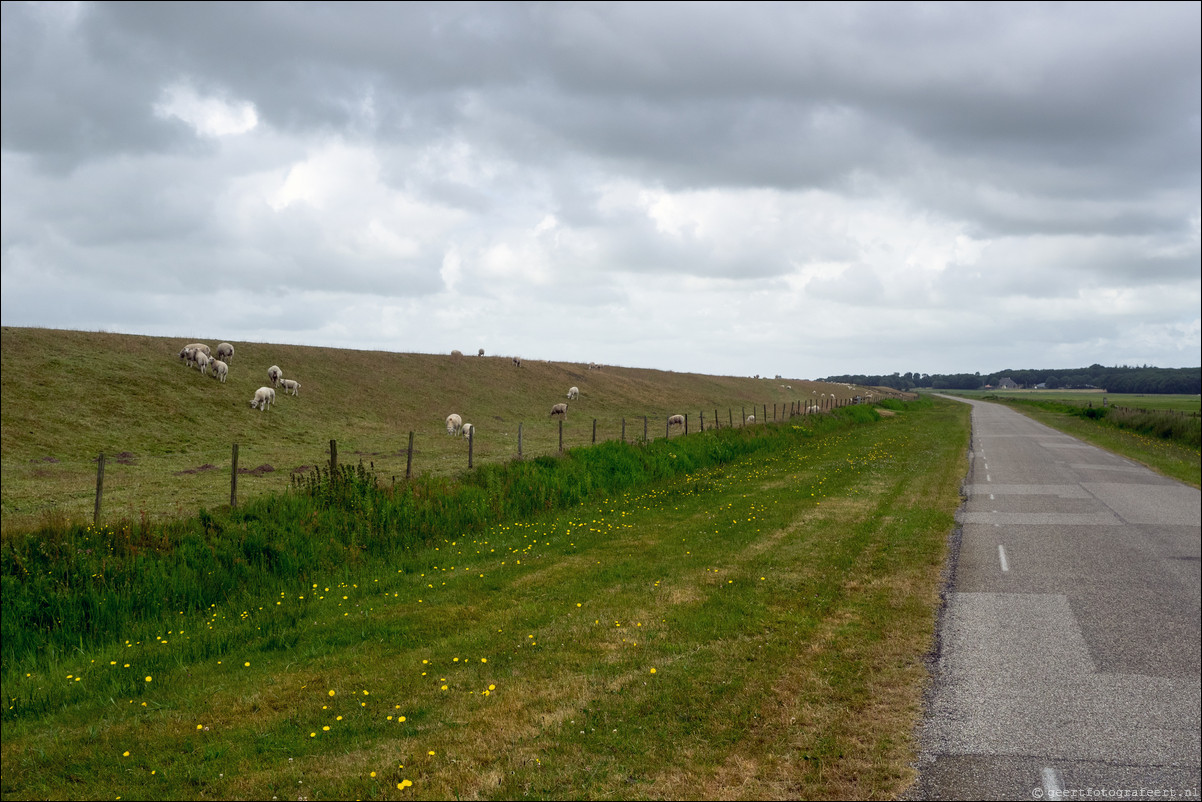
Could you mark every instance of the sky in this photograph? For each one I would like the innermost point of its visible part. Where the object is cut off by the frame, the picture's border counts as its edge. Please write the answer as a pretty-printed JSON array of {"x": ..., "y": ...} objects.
[{"x": 786, "y": 189}]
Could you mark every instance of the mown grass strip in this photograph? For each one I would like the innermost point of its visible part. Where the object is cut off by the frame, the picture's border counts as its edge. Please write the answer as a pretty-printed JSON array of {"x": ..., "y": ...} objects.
[{"x": 784, "y": 601}]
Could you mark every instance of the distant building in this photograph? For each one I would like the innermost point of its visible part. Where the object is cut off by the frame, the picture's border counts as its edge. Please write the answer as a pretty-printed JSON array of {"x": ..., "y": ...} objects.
[{"x": 1008, "y": 384}]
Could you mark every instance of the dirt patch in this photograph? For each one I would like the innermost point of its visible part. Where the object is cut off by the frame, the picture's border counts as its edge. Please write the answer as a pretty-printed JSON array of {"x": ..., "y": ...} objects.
[
  {"x": 259, "y": 471},
  {"x": 206, "y": 467},
  {"x": 885, "y": 413},
  {"x": 44, "y": 459},
  {"x": 302, "y": 469}
]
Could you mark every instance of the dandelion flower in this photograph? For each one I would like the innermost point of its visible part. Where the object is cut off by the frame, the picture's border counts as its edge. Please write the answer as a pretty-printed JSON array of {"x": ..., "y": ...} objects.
[
  {"x": 331, "y": 693},
  {"x": 403, "y": 784},
  {"x": 126, "y": 754},
  {"x": 148, "y": 679},
  {"x": 653, "y": 671}
]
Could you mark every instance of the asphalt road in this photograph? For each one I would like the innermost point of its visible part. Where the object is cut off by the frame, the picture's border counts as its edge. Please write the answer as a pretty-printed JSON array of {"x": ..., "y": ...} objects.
[{"x": 1069, "y": 661}]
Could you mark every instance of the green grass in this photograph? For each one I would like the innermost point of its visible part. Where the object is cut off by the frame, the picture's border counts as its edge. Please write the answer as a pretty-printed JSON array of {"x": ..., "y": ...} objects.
[
  {"x": 1178, "y": 403},
  {"x": 784, "y": 600},
  {"x": 167, "y": 432}
]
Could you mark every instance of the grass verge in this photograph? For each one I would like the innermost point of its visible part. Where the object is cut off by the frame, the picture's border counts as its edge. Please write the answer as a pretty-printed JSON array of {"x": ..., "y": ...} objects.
[{"x": 750, "y": 629}]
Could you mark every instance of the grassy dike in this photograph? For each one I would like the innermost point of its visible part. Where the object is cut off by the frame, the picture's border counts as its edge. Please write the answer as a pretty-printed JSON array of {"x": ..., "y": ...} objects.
[{"x": 754, "y": 629}]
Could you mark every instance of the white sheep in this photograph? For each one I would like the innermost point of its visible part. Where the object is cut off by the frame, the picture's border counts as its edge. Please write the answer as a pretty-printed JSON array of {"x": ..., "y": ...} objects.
[
  {"x": 517, "y": 361},
  {"x": 480, "y": 353},
  {"x": 220, "y": 370},
  {"x": 274, "y": 374},
  {"x": 225, "y": 352},
  {"x": 676, "y": 420},
  {"x": 467, "y": 431},
  {"x": 264, "y": 397},
  {"x": 202, "y": 362},
  {"x": 751, "y": 418},
  {"x": 454, "y": 424},
  {"x": 561, "y": 410},
  {"x": 290, "y": 386},
  {"x": 573, "y": 393}
]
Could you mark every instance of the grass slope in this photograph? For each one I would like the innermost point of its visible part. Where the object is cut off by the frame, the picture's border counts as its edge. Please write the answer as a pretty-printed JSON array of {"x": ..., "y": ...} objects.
[
  {"x": 754, "y": 630},
  {"x": 167, "y": 432}
]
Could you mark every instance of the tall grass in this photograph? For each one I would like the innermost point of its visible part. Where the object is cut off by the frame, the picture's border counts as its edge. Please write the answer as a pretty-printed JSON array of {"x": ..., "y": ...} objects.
[{"x": 80, "y": 586}]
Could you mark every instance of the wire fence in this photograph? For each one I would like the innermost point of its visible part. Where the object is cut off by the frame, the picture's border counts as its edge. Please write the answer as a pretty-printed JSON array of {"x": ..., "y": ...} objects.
[{"x": 133, "y": 486}]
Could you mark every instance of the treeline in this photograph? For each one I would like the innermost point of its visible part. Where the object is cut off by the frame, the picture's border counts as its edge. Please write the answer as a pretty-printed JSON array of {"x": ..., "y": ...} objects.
[{"x": 1124, "y": 379}]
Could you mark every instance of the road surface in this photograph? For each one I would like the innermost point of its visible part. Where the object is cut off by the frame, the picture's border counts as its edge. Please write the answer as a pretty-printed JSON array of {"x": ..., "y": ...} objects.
[{"x": 1068, "y": 664}]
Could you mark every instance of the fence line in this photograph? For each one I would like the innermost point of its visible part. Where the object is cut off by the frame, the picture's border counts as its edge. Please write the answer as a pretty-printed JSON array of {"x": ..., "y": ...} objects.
[{"x": 795, "y": 408}]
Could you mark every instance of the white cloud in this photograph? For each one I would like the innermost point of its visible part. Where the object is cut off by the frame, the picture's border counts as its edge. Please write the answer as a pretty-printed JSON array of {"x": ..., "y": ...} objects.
[{"x": 209, "y": 116}]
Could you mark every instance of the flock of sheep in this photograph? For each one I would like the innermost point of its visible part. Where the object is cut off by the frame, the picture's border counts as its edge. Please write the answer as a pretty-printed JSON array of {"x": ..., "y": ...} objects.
[{"x": 200, "y": 356}]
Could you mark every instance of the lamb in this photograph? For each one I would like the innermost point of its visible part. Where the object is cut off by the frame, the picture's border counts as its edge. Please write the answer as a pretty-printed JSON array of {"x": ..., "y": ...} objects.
[
  {"x": 751, "y": 418},
  {"x": 264, "y": 397},
  {"x": 290, "y": 386},
  {"x": 454, "y": 424},
  {"x": 202, "y": 362},
  {"x": 561, "y": 410},
  {"x": 225, "y": 352},
  {"x": 274, "y": 374},
  {"x": 468, "y": 430},
  {"x": 220, "y": 370},
  {"x": 573, "y": 393},
  {"x": 676, "y": 420}
]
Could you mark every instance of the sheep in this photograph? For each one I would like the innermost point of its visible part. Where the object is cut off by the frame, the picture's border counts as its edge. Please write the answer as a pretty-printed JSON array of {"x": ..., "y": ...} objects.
[
  {"x": 454, "y": 424},
  {"x": 517, "y": 361},
  {"x": 456, "y": 353},
  {"x": 751, "y": 418},
  {"x": 573, "y": 393},
  {"x": 561, "y": 410},
  {"x": 274, "y": 374},
  {"x": 468, "y": 430},
  {"x": 290, "y": 386},
  {"x": 225, "y": 352},
  {"x": 220, "y": 370},
  {"x": 480, "y": 352},
  {"x": 264, "y": 397},
  {"x": 676, "y": 420},
  {"x": 202, "y": 362}
]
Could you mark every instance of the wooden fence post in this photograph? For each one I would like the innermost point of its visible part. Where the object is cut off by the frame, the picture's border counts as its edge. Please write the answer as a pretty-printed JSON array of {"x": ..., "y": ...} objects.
[
  {"x": 471, "y": 439},
  {"x": 519, "y": 440},
  {"x": 703, "y": 420},
  {"x": 716, "y": 426},
  {"x": 234, "y": 479},
  {"x": 333, "y": 458},
  {"x": 686, "y": 423},
  {"x": 409, "y": 457},
  {"x": 742, "y": 417},
  {"x": 623, "y": 430},
  {"x": 644, "y": 428},
  {"x": 99, "y": 489},
  {"x": 765, "y": 413},
  {"x": 594, "y": 431},
  {"x": 668, "y": 428},
  {"x": 561, "y": 435}
]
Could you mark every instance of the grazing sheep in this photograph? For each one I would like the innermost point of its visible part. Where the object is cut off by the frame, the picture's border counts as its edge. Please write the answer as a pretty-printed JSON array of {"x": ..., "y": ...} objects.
[
  {"x": 274, "y": 374},
  {"x": 454, "y": 424},
  {"x": 202, "y": 362},
  {"x": 561, "y": 410},
  {"x": 456, "y": 353},
  {"x": 751, "y": 418},
  {"x": 480, "y": 353},
  {"x": 225, "y": 352},
  {"x": 220, "y": 370},
  {"x": 264, "y": 397},
  {"x": 573, "y": 393},
  {"x": 676, "y": 420},
  {"x": 291, "y": 387},
  {"x": 517, "y": 361},
  {"x": 467, "y": 431}
]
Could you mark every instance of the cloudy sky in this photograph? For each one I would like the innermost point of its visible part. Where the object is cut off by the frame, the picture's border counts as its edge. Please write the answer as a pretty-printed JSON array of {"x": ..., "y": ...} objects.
[{"x": 723, "y": 188}]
